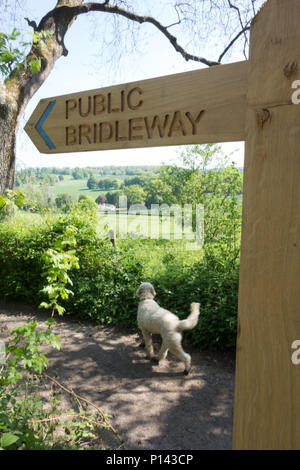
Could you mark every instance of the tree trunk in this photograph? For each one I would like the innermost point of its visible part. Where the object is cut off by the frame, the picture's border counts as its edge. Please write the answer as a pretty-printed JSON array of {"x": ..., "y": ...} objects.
[
  {"x": 20, "y": 87},
  {"x": 8, "y": 130}
]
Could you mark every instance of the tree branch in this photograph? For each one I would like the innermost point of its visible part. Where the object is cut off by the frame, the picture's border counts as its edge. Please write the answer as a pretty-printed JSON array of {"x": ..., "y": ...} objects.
[
  {"x": 246, "y": 28},
  {"x": 32, "y": 24},
  {"x": 176, "y": 22},
  {"x": 78, "y": 397},
  {"x": 105, "y": 7},
  {"x": 239, "y": 15},
  {"x": 67, "y": 13}
]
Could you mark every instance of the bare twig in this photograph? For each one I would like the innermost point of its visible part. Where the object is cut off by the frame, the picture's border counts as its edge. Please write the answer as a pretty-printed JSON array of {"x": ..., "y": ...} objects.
[
  {"x": 253, "y": 7},
  {"x": 240, "y": 17},
  {"x": 78, "y": 397},
  {"x": 65, "y": 416},
  {"x": 178, "y": 21},
  {"x": 32, "y": 24},
  {"x": 246, "y": 28}
]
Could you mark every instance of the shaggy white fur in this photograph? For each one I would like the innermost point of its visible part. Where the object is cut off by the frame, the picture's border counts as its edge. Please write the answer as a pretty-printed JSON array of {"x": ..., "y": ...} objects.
[{"x": 153, "y": 319}]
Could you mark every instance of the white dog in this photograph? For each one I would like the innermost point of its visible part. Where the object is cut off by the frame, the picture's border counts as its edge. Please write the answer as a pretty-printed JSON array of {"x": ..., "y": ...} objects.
[{"x": 152, "y": 318}]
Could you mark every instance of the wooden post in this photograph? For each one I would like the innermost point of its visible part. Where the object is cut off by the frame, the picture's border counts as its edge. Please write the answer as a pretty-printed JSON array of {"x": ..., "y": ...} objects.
[
  {"x": 112, "y": 237},
  {"x": 267, "y": 386}
]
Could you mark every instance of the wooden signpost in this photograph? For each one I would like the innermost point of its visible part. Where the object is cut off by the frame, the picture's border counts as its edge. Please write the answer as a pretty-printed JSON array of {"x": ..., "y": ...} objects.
[
  {"x": 192, "y": 107},
  {"x": 248, "y": 101}
]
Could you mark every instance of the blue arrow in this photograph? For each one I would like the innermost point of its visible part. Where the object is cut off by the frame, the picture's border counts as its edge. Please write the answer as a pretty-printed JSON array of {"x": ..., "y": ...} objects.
[{"x": 41, "y": 122}]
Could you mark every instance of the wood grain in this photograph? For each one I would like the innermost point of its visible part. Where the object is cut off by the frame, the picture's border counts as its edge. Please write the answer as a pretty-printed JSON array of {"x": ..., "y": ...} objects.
[
  {"x": 267, "y": 384},
  {"x": 207, "y": 105}
]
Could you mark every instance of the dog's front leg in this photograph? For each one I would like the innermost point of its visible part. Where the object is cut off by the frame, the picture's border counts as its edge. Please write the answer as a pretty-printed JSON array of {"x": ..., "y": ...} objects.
[{"x": 148, "y": 343}]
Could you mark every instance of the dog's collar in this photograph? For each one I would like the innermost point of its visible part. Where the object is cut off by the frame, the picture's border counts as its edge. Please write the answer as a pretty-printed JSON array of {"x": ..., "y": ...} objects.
[{"x": 147, "y": 298}]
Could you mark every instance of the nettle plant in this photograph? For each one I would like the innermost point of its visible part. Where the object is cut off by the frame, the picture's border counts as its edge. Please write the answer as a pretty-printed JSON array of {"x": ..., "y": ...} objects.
[{"x": 58, "y": 261}]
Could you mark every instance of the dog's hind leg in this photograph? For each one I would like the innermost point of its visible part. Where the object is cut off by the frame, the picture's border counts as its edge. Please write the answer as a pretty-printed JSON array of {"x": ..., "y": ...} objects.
[
  {"x": 148, "y": 343},
  {"x": 162, "y": 352},
  {"x": 186, "y": 358},
  {"x": 177, "y": 350}
]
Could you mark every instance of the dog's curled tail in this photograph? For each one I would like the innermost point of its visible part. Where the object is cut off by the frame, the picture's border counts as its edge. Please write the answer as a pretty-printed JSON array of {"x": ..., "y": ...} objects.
[{"x": 192, "y": 320}]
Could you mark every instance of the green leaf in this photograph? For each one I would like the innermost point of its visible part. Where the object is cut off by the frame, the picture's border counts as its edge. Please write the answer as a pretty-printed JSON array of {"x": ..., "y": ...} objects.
[
  {"x": 7, "y": 439},
  {"x": 35, "y": 65},
  {"x": 50, "y": 322},
  {"x": 60, "y": 309},
  {"x": 44, "y": 305}
]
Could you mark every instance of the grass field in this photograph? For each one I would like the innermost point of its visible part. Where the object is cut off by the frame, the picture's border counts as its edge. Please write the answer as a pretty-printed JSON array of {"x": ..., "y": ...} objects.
[
  {"x": 144, "y": 226},
  {"x": 75, "y": 188},
  {"x": 124, "y": 225}
]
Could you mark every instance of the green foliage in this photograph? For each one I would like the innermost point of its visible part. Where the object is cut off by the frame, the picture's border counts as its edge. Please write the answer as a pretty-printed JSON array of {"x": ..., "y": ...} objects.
[
  {"x": 38, "y": 199},
  {"x": 88, "y": 205},
  {"x": 206, "y": 177},
  {"x": 135, "y": 194},
  {"x": 40, "y": 176},
  {"x": 26, "y": 423},
  {"x": 11, "y": 197},
  {"x": 95, "y": 285},
  {"x": 63, "y": 202},
  {"x": 138, "y": 179},
  {"x": 35, "y": 65},
  {"x": 13, "y": 52},
  {"x": 110, "y": 297},
  {"x": 112, "y": 197},
  {"x": 58, "y": 261},
  {"x": 102, "y": 183},
  {"x": 24, "y": 358},
  {"x": 24, "y": 351},
  {"x": 104, "y": 286},
  {"x": 44, "y": 184},
  {"x": 10, "y": 201},
  {"x": 158, "y": 191},
  {"x": 9, "y": 56},
  {"x": 212, "y": 284},
  {"x": 31, "y": 175}
]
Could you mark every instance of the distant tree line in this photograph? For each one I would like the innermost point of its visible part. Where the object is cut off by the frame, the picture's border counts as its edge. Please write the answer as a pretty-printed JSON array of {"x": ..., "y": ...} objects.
[
  {"x": 191, "y": 182},
  {"x": 103, "y": 183},
  {"x": 40, "y": 176},
  {"x": 51, "y": 175}
]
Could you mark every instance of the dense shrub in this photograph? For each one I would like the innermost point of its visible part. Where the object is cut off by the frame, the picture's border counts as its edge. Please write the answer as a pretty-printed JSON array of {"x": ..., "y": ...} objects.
[
  {"x": 105, "y": 284},
  {"x": 212, "y": 284}
]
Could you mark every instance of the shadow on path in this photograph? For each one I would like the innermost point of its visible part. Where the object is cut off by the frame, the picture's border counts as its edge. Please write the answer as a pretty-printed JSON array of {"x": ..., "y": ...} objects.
[{"x": 153, "y": 407}]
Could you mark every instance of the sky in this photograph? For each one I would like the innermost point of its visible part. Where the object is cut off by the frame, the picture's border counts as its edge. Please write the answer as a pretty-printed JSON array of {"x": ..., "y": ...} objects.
[{"x": 84, "y": 69}]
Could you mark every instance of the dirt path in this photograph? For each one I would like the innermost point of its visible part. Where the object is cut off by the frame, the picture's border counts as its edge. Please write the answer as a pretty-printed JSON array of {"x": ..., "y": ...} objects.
[{"x": 153, "y": 407}]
